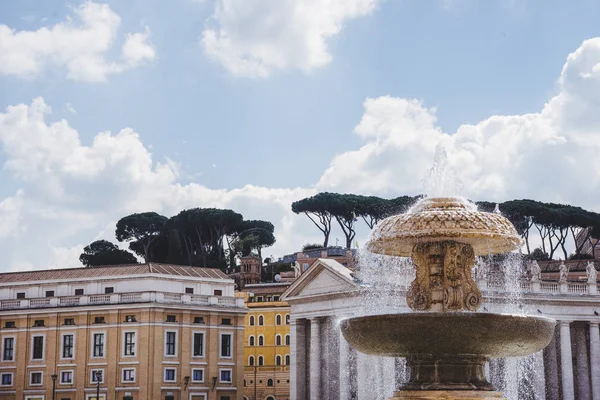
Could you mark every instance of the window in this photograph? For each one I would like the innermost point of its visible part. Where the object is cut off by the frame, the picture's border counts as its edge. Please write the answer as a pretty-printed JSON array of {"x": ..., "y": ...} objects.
[
  {"x": 171, "y": 318},
  {"x": 225, "y": 376},
  {"x": 10, "y": 324},
  {"x": 261, "y": 340},
  {"x": 278, "y": 340},
  {"x": 109, "y": 290},
  {"x": 169, "y": 374},
  {"x": 189, "y": 290},
  {"x": 97, "y": 375},
  {"x": 7, "y": 379},
  {"x": 278, "y": 360},
  {"x": 98, "y": 345},
  {"x": 287, "y": 340},
  {"x": 275, "y": 298},
  {"x": 261, "y": 360},
  {"x": 35, "y": 378},
  {"x": 287, "y": 319},
  {"x": 287, "y": 360},
  {"x": 226, "y": 321},
  {"x": 218, "y": 292},
  {"x": 38, "y": 322},
  {"x": 226, "y": 345},
  {"x": 69, "y": 321},
  {"x": 49, "y": 293},
  {"x": 269, "y": 382},
  {"x": 198, "y": 320},
  {"x": 198, "y": 375},
  {"x": 128, "y": 375},
  {"x": 67, "y": 345},
  {"x": 251, "y": 361},
  {"x": 129, "y": 344},
  {"x": 278, "y": 320},
  {"x": 78, "y": 292},
  {"x": 66, "y": 377},
  {"x": 261, "y": 320},
  {"x": 251, "y": 341},
  {"x": 304, "y": 266},
  {"x": 21, "y": 295},
  {"x": 8, "y": 349},
  {"x": 252, "y": 320},
  {"x": 170, "y": 343},
  {"x": 198, "y": 344},
  {"x": 99, "y": 320},
  {"x": 130, "y": 318},
  {"x": 37, "y": 348}
]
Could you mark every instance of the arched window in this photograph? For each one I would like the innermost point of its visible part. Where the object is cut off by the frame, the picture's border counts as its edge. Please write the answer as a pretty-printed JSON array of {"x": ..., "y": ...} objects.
[
  {"x": 287, "y": 319},
  {"x": 287, "y": 340},
  {"x": 261, "y": 320},
  {"x": 287, "y": 360},
  {"x": 278, "y": 320},
  {"x": 252, "y": 320},
  {"x": 278, "y": 340},
  {"x": 251, "y": 341},
  {"x": 269, "y": 382},
  {"x": 261, "y": 340},
  {"x": 261, "y": 360},
  {"x": 251, "y": 360},
  {"x": 270, "y": 398},
  {"x": 278, "y": 360}
]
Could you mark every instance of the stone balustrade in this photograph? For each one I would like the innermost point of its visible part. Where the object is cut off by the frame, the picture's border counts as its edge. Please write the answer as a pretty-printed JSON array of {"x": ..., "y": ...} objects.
[{"x": 121, "y": 298}]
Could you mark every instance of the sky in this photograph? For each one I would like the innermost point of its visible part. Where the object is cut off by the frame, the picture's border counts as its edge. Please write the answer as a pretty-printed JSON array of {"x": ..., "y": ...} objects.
[{"x": 110, "y": 108}]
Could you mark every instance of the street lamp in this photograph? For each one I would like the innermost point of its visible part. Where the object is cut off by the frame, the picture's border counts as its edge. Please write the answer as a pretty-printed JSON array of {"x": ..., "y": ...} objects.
[
  {"x": 54, "y": 376},
  {"x": 98, "y": 377}
]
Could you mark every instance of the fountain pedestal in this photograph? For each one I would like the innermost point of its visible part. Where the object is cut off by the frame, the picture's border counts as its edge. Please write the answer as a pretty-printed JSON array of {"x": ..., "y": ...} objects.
[{"x": 445, "y": 395}]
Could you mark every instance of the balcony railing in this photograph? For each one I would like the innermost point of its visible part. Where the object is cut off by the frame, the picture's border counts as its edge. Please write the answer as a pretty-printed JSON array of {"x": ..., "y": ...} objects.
[{"x": 122, "y": 298}]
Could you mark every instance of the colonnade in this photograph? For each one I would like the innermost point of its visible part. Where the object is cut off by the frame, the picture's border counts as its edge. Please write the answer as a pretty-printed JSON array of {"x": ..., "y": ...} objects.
[{"x": 324, "y": 365}]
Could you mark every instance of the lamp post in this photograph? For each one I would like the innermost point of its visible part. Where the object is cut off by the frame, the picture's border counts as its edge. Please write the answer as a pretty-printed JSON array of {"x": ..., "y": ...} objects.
[
  {"x": 98, "y": 377},
  {"x": 54, "y": 376}
]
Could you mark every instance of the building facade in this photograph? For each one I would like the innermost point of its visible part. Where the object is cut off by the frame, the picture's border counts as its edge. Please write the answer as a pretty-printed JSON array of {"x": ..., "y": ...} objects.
[
  {"x": 267, "y": 343},
  {"x": 324, "y": 366},
  {"x": 303, "y": 259},
  {"x": 248, "y": 272},
  {"x": 137, "y": 332}
]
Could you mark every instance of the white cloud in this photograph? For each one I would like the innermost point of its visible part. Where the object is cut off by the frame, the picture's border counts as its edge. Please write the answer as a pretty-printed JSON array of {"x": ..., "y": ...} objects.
[
  {"x": 252, "y": 38},
  {"x": 73, "y": 193},
  {"x": 549, "y": 155},
  {"x": 81, "y": 47},
  {"x": 69, "y": 107}
]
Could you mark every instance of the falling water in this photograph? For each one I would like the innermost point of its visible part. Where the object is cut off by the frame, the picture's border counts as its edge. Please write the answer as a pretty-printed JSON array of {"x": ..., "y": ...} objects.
[{"x": 385, "y": 279}]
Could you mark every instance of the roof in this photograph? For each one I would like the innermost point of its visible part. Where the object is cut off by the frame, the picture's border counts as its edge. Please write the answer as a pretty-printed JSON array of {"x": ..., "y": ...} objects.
[
  {"x": 112, "y": 270},
  {"x": 573, "y": 265},
  {"x": 267, "y": 288},
  {"x": 339, "y": 268}
]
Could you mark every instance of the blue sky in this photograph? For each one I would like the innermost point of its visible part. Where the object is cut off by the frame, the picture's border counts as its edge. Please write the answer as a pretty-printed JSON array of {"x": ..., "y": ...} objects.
[{"x": 283, "y": 130}]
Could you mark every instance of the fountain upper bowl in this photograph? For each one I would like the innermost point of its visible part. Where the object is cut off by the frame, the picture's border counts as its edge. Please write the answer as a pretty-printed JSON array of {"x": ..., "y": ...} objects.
[
  {"x": 440, "y": 219},
  {"x": 450, "y": 334}
]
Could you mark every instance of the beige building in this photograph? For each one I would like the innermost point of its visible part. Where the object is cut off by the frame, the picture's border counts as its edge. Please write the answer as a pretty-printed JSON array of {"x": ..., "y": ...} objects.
[{"x": 148, "y": 331}]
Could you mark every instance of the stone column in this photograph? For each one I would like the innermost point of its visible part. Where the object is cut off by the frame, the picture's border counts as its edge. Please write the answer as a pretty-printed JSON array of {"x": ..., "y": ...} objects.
[
  {"x": 333, "y": 334},
  {"x": 566, "y": 361},
  {"x": 551, "y": 368},
  {"x": 315, "y": 359},
  {"x": 344, "y": 368},
  {"x": 595, "y": 359},
  {"x": 539, "y": 385},
  {"x": 582, "y": 374},
  {"x": 298, "y": 359}
]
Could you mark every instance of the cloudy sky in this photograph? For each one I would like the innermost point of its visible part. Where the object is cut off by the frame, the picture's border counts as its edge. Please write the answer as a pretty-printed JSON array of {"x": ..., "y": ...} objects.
[{"x": 109, "y": 108}]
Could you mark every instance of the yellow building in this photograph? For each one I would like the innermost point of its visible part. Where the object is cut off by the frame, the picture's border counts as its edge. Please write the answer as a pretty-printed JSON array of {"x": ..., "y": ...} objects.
[
  {"x": 137, "y": 332},
  {"x": 267, "y": 343}
]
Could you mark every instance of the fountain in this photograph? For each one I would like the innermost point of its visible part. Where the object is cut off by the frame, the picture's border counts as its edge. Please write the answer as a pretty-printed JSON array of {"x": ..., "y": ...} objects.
[{"x": 445, "y": 342}]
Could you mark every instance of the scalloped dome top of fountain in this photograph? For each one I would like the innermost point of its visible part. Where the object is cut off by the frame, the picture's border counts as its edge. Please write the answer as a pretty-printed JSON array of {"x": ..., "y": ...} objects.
[{"x": 444, "y": 219}]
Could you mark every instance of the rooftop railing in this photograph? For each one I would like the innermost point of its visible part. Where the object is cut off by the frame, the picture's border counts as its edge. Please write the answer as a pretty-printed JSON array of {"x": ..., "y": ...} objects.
[{"x": 122, "y": 298}]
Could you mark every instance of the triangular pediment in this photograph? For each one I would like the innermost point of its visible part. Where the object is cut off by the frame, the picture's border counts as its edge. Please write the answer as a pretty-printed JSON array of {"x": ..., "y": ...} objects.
[{"x": 323, "y": 277}]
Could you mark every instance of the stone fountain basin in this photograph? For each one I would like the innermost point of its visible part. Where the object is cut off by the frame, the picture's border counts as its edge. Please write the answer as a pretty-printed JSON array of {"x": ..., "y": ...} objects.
[{"x": 450, "y": 333}]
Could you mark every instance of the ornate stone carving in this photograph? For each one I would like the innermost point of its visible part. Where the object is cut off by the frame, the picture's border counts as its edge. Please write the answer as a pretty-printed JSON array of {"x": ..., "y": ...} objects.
[
  {"x": 536, "y": 272},
  {"x": 592, "y": 274},
  {"x": 563, "y": 271},
  {"x": 443, "y": 279}
]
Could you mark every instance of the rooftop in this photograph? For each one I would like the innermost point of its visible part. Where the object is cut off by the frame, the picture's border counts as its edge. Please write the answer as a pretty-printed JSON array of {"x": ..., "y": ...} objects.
[{"x": 111, "y": 271}]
